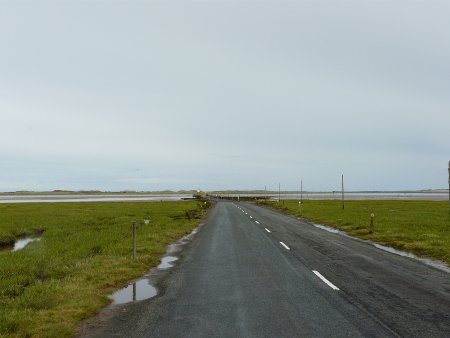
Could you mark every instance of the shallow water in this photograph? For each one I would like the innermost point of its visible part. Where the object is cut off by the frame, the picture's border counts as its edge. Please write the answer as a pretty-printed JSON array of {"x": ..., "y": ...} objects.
[
  {"x": 166, "y": 262},
  {"x": 142, "y": 289},
  {"x": 352, "y": 196},
  {"x": 22, "y": 243},
  {"x": 89, "y": 198},
  {"x": 329, "y": 229},
  {"x": 139, "y": 290}
]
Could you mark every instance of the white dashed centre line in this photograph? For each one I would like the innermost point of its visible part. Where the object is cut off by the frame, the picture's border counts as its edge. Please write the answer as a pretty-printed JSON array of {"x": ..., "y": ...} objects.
[
  {"x": 268, "y": 230},
  {"x": 326, "y": 281},
  {"x": 251, "y": 217},
  {"x": 256, "y": 222},
  {"x": 287, "y": 248}
]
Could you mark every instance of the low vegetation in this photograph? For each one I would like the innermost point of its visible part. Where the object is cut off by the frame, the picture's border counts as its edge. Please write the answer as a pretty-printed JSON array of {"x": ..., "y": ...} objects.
[
  {"x": 83, "y": 256},
  {"x": 420, "y": 227}
]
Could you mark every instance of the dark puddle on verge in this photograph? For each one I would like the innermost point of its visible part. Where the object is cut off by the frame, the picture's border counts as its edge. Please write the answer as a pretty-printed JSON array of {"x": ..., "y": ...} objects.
[
  {"x": 20, "y": 243},
  {"x": 431, "y": 262},
  {"x": 142, "y": 288}
]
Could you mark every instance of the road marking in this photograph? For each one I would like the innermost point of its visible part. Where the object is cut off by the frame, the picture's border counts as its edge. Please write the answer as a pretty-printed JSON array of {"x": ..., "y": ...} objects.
[
  {"x": 268, "y": 231},
  {"x": 251, "y": 217},
  {"x": 246, "y": 213},
  {"x": 326, "y": 281},
  {"x": 285, "y": 245},
  {"x": 256, "y": 222}
]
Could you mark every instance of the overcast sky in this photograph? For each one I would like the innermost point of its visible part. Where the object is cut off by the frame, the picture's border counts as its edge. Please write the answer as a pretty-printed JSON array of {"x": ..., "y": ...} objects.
[{"x": 152, "y": 95}]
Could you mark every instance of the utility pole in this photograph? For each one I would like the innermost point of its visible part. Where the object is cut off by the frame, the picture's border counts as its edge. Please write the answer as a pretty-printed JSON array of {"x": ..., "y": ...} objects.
[
  {"x": 265, "y": 193},
  {"x": 279, "y": 193},
  {"x": 301, "y": 191},
  {"x": 342, "y": 192}
]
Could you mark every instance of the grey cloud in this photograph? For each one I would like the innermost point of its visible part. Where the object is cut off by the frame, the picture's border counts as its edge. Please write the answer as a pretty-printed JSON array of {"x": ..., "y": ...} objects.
[{"x": 224, "y": 94}]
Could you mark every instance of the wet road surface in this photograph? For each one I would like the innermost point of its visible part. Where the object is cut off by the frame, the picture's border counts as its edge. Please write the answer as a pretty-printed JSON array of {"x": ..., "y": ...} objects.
[{"x": 253, "y": 272}]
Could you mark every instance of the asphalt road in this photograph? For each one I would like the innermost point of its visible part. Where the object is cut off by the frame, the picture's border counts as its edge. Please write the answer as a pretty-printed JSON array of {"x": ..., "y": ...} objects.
[{"x": 253, "y": 272}]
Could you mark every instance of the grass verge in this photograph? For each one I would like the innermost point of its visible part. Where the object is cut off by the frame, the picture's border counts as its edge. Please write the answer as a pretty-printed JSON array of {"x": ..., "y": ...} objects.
[
  {"x": 84, "y": 255},
  {"x": 420, "y": 227}
]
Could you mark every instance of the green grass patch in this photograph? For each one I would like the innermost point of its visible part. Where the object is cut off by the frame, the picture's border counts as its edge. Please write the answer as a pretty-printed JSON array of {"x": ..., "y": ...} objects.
[
  {"x": 420, "y": 227},
  {"x": 84, "y": 255}
]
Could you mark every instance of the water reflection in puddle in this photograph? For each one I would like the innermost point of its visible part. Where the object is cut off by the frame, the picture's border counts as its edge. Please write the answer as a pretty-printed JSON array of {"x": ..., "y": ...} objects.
[
  {"x": 22, "y": 243},
  {"x": 166, "y": 262},
  {"x": 140, "y": 290}
]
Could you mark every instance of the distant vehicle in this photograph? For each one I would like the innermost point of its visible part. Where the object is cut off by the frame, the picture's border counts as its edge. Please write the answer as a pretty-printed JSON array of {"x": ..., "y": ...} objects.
[{"x": 199, "y": 194}]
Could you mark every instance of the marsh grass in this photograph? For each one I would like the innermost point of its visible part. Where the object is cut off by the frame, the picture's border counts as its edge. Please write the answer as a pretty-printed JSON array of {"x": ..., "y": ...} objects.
[
  {"x": 420, "y": 227},
  {"x": 84, "y": 255}
]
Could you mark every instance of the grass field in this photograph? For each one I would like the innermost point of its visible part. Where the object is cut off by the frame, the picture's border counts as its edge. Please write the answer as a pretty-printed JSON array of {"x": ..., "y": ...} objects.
[
  {"x": 420, "y": 227},
  {"x": 84, "y": 255}
]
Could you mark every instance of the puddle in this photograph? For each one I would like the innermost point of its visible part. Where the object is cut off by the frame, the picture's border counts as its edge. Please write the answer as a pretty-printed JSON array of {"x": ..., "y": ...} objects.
[
  {"x": 329, "y": 229},
  {"x": 174, "y": 247},
  {"x": 22, "y": 243},
  {"x": 436, "y": 264},
  {"x": 166, "y": 262},
  {"x": 139, "y": 290},
  {"x": 395, "y": 251},
  {"x": 142, "y": 288}
]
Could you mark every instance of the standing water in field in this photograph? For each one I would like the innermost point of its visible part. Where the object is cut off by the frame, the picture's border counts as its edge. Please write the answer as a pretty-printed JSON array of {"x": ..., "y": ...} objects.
[{"x": 22, "y": 243}]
